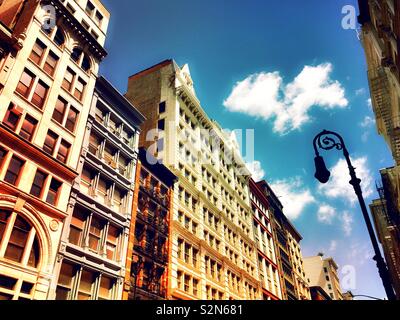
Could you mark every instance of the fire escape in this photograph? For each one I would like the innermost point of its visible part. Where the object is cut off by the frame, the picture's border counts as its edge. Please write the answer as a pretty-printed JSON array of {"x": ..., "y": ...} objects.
[{"x": 380, "y": 91}]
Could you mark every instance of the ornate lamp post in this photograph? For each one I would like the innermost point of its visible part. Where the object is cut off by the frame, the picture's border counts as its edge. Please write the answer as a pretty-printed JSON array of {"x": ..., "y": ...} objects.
[{"x": 328, "y": 140}]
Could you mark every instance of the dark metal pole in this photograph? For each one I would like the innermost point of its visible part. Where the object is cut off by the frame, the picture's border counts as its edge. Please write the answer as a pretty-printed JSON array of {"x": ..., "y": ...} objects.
[{"x": 328, "y": 144}]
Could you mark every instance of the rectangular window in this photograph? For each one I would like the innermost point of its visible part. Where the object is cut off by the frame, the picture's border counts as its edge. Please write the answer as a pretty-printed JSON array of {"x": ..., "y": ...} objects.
[
  {"x": 68, "y": 79},
  {"x": 98, "y": 18},
  {"x": 12, "y": 117},
  {"x": 63, "y": 151},
  {"x": 89, "y": 8},
  {"x": 187, "y": 283},
  {"x": 37, "y": 52},
  {"x": 79, "y": 89},
  {"x": 38, "y": 183},
  {"x": 106, "y": 288},
  {"x": 50, "y": 142},
  {"x": 64, "y": 286},
  {"x": 25, "y": 83},
  {"x": 14, "y": 169},
  {"x": 50, "y": 64},
  {"x": 112, "y": 243},
  {"x": 3, "y": 153},
  {"x": 86, "y": 285},
  {"x": 95, "y": 231},
  {"x": 54, "y": 190},
  {"x": 72, "y": 119},
  {"x": 161, "y": 124},
  {"x": 28, "y": 128},
  {"x": 59, "y": 110},
  {"x": 77, "y": 227},
  {"x": 39, "y": 96},
  {"x": 161, "y": 107}
]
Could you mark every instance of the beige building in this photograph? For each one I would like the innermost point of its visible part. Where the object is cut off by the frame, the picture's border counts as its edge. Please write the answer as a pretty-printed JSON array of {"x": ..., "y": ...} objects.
[
  {"x": 322, "y": 273},
  {"x": 380, "y": 38},
  {"x": 213, "y": 254},
  {"x": 47, "y": 81}
]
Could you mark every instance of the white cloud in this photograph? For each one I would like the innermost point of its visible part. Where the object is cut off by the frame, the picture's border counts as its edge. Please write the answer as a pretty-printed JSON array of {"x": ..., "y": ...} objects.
[
  {"x": 367, "y": 122},
  {"x": 256, "y": 170},
  {"x": 360, "y": 91},
  {"x": 264, "y": 95},
  {"x": 333, "y": 246},
  {"x": 293, "y": 195},
  {"x": 369, "y": 103},
  {"x": 326, "y": 214},
  {"x": 347, "y": 223},
  {"x": 339, "y": 187}
]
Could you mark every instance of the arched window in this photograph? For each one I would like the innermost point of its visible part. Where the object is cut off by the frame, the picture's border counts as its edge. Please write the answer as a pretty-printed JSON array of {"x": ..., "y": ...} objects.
[
  {"x": 59, "y": 38},
  {"x": 22, "y": 244},
  {"x": 81, "y": 59}
]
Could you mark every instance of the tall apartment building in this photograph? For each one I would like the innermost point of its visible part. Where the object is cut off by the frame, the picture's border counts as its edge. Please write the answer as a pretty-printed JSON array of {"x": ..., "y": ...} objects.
[
  {"x": 322, "y": 273},
  {"x": 149, "y": 251},
  {"x": 47, "y": 80},
  {"x": 214, "y": 255},
  {"x": 380, "y": 22},
  {"x": 92, "y": 255},
  {"x": 289, "y": 257},
  {"x": 265, "y": 241}
]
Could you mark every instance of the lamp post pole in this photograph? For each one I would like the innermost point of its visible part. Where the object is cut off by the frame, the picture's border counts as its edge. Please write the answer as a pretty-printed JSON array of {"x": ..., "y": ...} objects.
[{"x": 326, "y": 141}]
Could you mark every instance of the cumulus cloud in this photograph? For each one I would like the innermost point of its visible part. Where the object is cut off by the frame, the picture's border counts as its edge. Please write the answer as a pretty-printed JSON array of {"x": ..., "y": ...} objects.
[
  {"x": 347, "y": 223},
  {"x": 293, "y": 195},
  {"x": 256, "y": 170},
  {"x": 360, "y": 91},
  {"x": 367, "y": 122},
  {"x": 369, "y": 103},
  {"x": 333, "y": 246},
  {"x": 326, "y": 214},
  {"x": 339, "y": 187},
  {"x": 264, "y": 95}
]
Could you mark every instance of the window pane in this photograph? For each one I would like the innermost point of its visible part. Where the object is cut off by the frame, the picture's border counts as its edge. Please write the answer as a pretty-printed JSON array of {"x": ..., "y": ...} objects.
[
  {"x": 76, "y": 54},
  {"x": 28, "y": 128},
  {"x": 12, "y": 117},
  {"x": 37, "y": 51},
  {"x": 17, "y": 242},
  {"x": 13, "y": 170},
  {"x": 50, "y": 143},
  {"x": 38, "y": 184},
  {"x": 59, "y": 110},
  {"x": 59, "y": 38},
  {"x": 25, "y": 83},
  {"x": 63, "y": 151},
  {"x": 52, "y": 196},
  {"x": 106, "y": 286},
  {"x": 68, "y": 78},
  {"x": 79, "y": 89},
  {"x": 77, "y": 227},
  {"x": 40, "y": 94},
  {"x": 86, "y": 285},
  {"x": 67, "y": 274},
  {"x": 50, "y": 64},
  {"x": 34, "y": 255},
  {"x": 96, "y": 228},
  {"x": 72, "y": 119}
]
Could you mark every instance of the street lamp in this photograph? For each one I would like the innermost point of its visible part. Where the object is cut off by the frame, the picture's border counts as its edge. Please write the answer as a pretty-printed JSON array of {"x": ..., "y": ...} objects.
[{"x": 328, "y": 140}]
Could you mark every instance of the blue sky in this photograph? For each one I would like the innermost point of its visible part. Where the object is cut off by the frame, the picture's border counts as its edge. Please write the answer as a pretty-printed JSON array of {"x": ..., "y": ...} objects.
[{"x": 237, "y": 51}]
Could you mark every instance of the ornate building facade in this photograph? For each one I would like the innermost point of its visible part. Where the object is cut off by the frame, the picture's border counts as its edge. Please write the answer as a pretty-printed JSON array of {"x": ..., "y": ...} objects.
[
  {"x": 288, "y": 251},
  {"x": 214, "y": 255},
  {"x": 380, "y": 22},
  {"x": 94, "y": 245},
  {"x": 149, "y": 251},
  {"x": 47, "y": 78},
  {"x": 266, "y": 246}
]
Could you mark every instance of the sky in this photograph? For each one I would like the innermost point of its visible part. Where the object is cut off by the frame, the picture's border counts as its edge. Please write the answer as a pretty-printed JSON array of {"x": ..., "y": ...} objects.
[{"x": 288, "y": 70}]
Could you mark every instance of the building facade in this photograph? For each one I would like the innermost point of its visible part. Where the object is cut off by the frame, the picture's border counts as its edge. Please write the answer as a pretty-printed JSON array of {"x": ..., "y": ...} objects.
[
  {"x": 322, "y": 273},
  {"x": 266, "y": 247},
  {"x": 214, "y": 255},
  {"x": 149, "y": 251},
  {"x": 380, "y": 22},
  {"x": 92, "y": 255},
  {"x": 288, "y": 251},
  {"x": 47, "y": 80}
]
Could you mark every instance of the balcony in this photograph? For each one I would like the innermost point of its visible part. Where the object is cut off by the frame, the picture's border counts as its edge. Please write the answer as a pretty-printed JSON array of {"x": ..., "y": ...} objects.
[
  {"x": 151, "y": 291},
  {"x": 154, "y": 221},
  {"x": 151, "y": 251}
]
